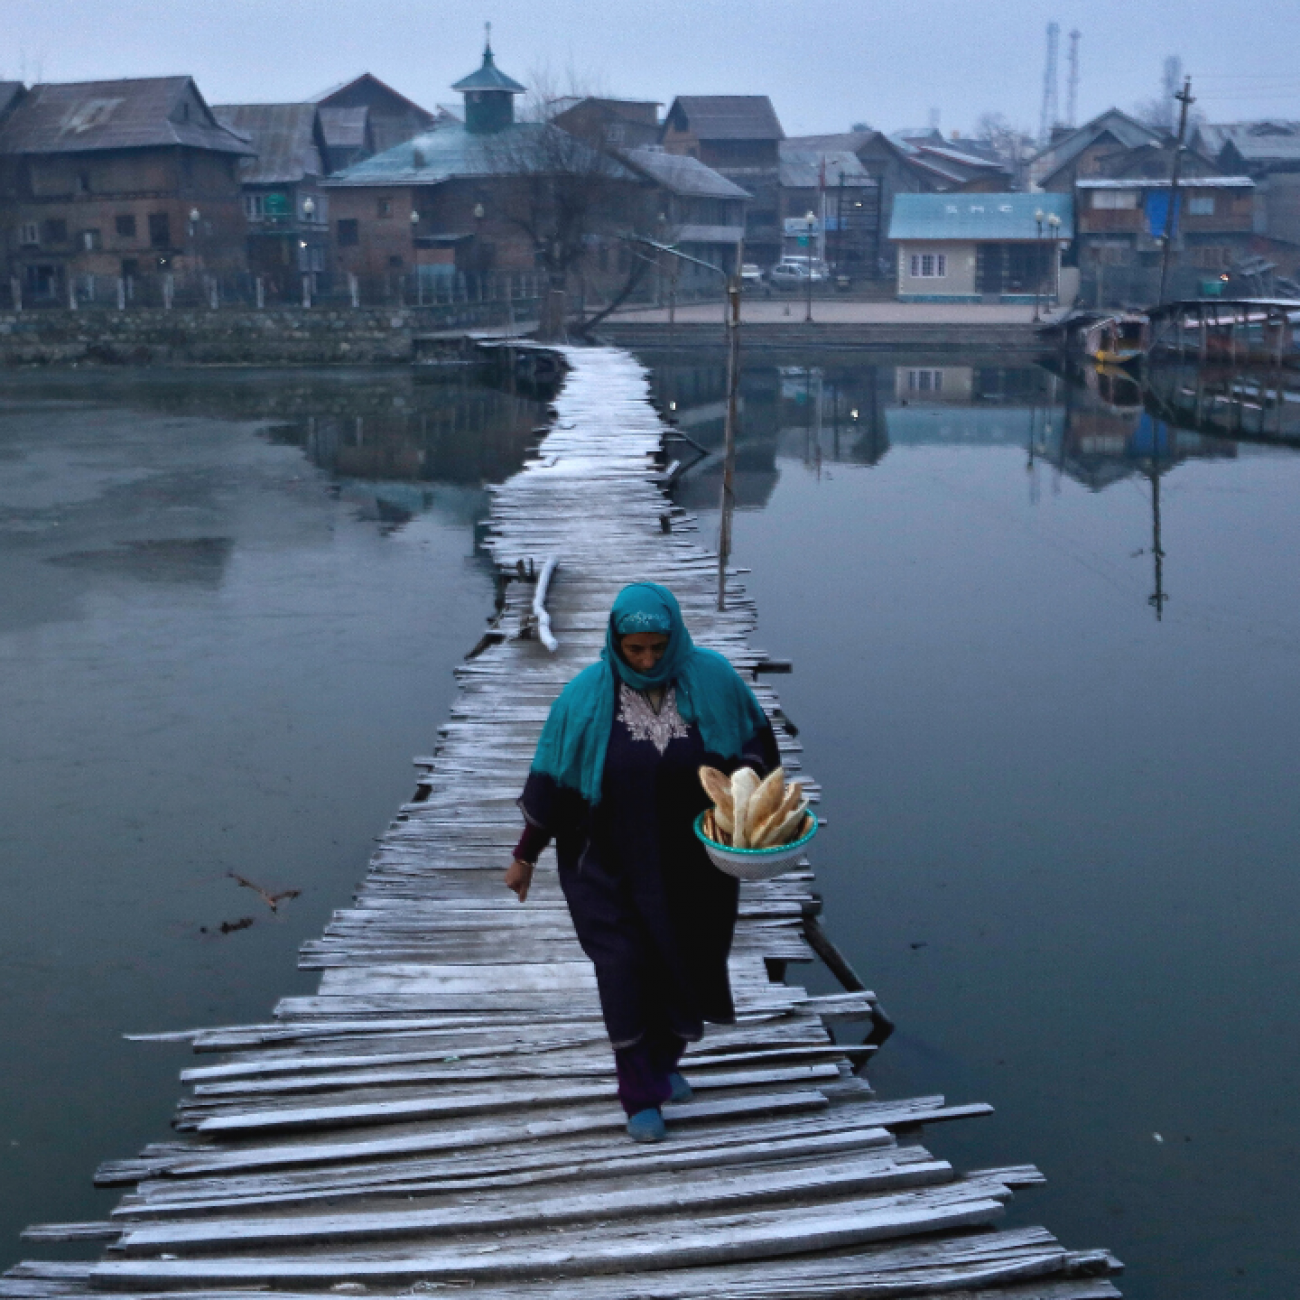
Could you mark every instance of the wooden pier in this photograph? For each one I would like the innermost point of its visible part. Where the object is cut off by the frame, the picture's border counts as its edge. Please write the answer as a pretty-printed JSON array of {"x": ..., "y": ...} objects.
[{"x": 440, "y": 1115}]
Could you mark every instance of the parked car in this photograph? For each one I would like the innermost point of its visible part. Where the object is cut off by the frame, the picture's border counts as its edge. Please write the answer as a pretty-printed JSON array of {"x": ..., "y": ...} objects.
[
  {"x": 795, "y": 272},
  {"x": 751, "y": 275}
]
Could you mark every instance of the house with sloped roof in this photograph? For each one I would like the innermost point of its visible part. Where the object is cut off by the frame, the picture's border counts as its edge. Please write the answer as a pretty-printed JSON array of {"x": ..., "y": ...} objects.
[
  {"x": 1082, "y": 152},
  {"x": 1268, "y": 152},
  {"x": 286, "y": 208},
  {"x": 486, "y": 195},
  {"x": 698, "y": 211},
  {"x": 109, "y": 179},
  {"x": 739, "y": 136},
  {"x": 392, "y": 118},
  {"x": 980, "y": 247},
  {"x": 617, "y": 124}
]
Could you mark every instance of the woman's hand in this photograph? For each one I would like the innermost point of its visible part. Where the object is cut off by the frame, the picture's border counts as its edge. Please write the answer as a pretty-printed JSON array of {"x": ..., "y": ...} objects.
[{"x": 519, "y": 877}]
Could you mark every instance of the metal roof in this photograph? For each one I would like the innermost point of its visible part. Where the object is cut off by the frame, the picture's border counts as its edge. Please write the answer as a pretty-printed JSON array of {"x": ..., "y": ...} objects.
[
  {"x": 683, "y": 174},
  {"x": 139, "y": 113},
  {"x": 978, "y": 216},
  {"x": 489, "y": 77},
  {"x": 10, "y": 93},
  {"x": 1262, "y": 142},
  {"x": 1156, "y": 183},
  {"x": 344, "y": 128},
  {"x": 729, "y": 117},
  {"x": 451, "y": 151},
  {"x": 803, "y": 169},
  {"x": 284, "y": 136}
]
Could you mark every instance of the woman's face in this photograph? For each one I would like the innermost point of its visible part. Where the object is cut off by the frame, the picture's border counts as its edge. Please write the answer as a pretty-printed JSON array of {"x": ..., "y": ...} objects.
[{"x": 642, "y": 650}]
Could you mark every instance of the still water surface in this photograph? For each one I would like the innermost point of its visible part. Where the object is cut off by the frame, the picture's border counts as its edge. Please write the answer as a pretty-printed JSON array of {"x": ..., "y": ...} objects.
[
  {"x": 230, "y": 608},
  {"x": 1062, "y": 837}
]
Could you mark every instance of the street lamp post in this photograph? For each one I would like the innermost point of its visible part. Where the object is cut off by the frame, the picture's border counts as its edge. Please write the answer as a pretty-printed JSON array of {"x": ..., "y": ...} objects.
[
  {"x": 812, "y": 221},
  {"x": 1039, "y": 217},
  {"x": 415, "y": 257},
  {"x": 1054, "y": 247}
]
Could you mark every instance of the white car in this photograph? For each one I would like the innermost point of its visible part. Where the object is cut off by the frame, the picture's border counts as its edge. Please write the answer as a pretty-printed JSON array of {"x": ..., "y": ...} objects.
[
  {"x": 751, "y": 275},
  {"x": 795, "y": 273}
]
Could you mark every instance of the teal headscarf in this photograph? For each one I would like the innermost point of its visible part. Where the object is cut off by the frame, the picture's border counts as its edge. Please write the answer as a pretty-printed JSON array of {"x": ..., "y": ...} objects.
[{"x": 710, "y": 693}]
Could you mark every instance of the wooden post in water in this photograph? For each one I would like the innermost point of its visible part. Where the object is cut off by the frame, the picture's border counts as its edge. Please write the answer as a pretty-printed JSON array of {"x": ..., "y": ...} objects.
[
  {"x": 1184, "y": 97},
  {"x": 16, "y": 292}
]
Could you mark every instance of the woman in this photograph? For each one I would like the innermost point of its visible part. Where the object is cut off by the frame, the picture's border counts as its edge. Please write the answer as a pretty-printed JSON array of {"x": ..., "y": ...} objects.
[{"x": 616, "y": 783}]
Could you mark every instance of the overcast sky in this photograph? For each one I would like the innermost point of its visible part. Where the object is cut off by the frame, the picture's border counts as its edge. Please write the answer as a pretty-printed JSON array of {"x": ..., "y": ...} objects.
[{"x": 825, "y": 63}]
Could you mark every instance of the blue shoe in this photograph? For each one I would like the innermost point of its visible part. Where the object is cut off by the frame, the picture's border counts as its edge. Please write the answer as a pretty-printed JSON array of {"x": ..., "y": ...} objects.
[
  {"x": 681, "y": 1090},
  {"x": 647, "y": 1126}
]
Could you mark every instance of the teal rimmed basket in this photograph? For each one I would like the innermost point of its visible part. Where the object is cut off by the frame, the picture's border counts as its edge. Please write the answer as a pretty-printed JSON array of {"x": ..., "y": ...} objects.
[{"x": 754, "y": 864}]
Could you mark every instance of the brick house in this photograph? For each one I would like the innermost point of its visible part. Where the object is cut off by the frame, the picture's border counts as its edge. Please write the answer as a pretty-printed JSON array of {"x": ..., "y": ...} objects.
[
  {"x": 117, "y": 179},
  {"x": 481, "y": 197}
]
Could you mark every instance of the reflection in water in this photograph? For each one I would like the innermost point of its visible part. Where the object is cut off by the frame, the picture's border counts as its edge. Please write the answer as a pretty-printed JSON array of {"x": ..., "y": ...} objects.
[
  {"x": 232, "y": 605},
  {"x": 1098, "y": 427},
  {"x": 1062, "y": 835}
]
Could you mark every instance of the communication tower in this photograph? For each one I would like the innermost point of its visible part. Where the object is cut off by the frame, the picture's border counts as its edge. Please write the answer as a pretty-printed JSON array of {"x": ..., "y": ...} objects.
[
  {"x": 1072, "y": 95},
  {"x": 1051, "y": 104}
]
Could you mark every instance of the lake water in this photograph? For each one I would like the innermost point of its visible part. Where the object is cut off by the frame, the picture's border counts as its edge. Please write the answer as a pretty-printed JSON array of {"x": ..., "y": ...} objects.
[
  {"x": 1062, "y": 842},
  {"x": 231, "y": 606}
]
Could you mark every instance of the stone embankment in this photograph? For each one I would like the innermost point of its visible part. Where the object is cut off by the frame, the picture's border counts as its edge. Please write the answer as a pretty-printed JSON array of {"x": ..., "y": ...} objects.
[{"x": 227, "y": 336}]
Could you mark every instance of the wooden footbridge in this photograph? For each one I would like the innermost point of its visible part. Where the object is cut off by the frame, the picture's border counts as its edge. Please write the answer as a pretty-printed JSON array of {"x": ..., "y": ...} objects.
[{"x": 440, "y": 1116}]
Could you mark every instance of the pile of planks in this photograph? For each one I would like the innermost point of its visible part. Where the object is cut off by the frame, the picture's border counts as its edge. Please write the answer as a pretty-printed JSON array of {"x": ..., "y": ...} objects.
[{"x": 440, "y": 1114}]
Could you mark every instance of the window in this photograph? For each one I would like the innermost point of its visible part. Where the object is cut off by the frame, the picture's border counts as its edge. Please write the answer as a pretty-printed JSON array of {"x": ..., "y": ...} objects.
[
  {"x": 926, "y": 266},
  {"x": 83, "y": 182},
  {"x": 349, "y": 233},
  {"x": 90, "y": 240},
  {"x": 160, "y": 230},
  {"x": 925, "y": 381},
  {"x": 29, "y": 235},
  {"x": 55, "y": 232},
  {"x": 384, "y": 207},
  {"x": 1200, "y": 205},
  {"x": 254, "y": 207},
  {"x": 1114, "y": 200},
  {"x": 125, "y": 226}
]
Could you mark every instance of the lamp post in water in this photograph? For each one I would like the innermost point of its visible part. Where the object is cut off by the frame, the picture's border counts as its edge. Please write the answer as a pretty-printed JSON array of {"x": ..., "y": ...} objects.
[
  {"x": 1038, "y": 259},
  {"x": 727, "y": 505}
]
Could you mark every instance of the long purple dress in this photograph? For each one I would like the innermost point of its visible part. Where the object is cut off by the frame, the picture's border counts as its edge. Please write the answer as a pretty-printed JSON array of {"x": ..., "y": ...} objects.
[{"x": 653, "y": 914}]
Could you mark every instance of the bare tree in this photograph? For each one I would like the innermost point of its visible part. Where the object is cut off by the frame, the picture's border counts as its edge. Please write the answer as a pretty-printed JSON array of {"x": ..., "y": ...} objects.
[
  {"x": 1161, "y": 113},
  {"x": 572, "y": 197},
  {"x": 1013, "y": 145}
]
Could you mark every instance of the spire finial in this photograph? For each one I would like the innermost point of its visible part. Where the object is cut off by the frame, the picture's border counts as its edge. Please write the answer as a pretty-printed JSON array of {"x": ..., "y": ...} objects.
[{"x": 487, "y": 42}]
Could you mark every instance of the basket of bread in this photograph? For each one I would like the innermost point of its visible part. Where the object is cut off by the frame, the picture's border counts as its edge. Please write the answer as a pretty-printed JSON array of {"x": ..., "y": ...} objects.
[{"x": 757, "y": 828}]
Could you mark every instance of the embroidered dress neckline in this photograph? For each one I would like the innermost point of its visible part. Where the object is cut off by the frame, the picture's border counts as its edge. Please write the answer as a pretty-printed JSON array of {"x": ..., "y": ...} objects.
[{"x": 638, "y": 715}]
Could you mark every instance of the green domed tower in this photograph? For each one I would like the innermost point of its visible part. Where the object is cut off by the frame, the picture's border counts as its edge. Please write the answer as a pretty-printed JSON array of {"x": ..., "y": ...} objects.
[{"x": 489, "y": 95}]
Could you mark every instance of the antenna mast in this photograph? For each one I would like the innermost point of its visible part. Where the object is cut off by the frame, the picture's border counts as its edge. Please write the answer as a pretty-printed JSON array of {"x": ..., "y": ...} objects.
[
  {"x": 1051, "y": 105},
  {"x": 1072, "y": 99}
]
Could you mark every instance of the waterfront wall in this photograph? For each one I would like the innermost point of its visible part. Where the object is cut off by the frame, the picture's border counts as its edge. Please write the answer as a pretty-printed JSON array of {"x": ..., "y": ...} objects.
[
  {"x": 876, "y": 336},
  {"x": 226, "y": 336}
]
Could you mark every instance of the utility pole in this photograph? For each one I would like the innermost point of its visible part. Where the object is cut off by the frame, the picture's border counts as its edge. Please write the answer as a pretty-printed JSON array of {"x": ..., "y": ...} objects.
[{"x": 1184, "y": 97}]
